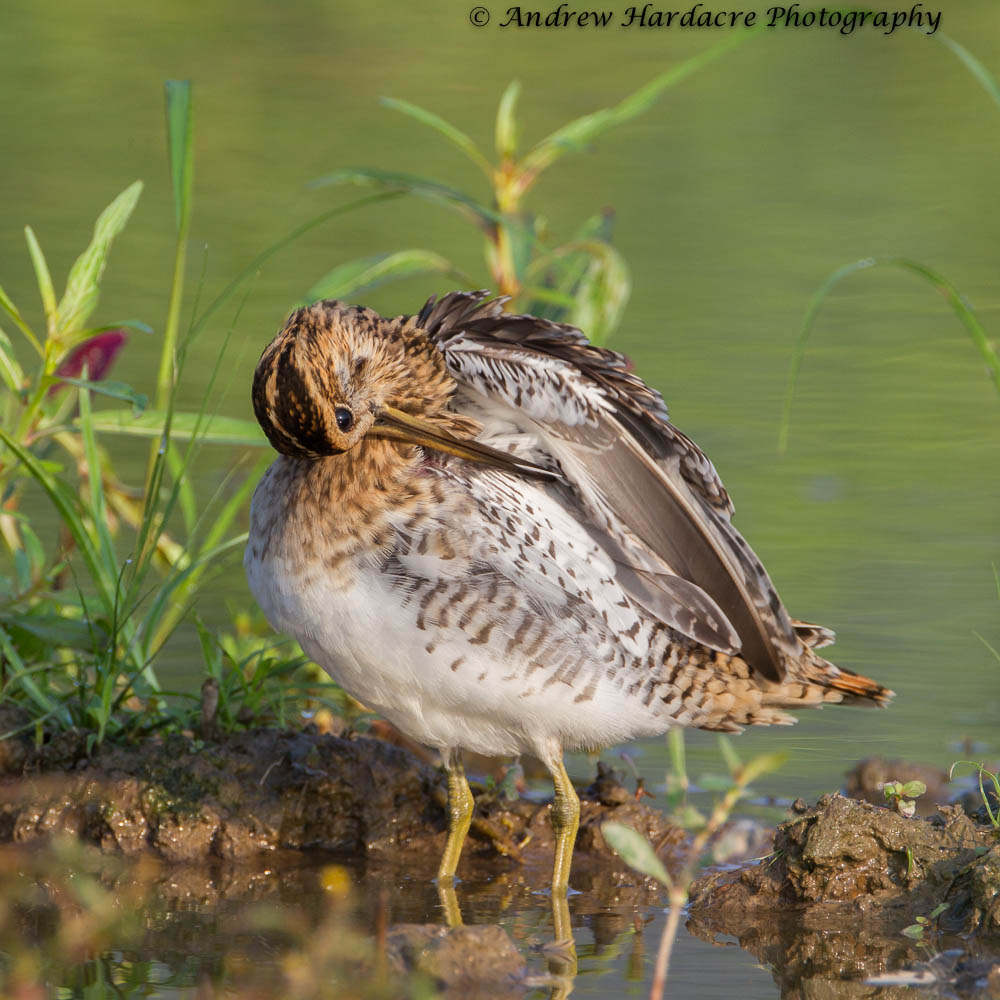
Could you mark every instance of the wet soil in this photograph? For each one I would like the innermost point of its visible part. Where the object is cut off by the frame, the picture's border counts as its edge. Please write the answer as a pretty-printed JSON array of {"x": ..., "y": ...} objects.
[
  {"x": 224, "y": 844},
  {"x": 185, "y": 799},
  {"x": 229, "y": 836},
  {"x": 845, "y": 879}
]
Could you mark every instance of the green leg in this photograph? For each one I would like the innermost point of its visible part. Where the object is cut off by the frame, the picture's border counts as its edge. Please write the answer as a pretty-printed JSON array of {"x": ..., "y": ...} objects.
[
  {"x": 449, "y": 904},
  {"x": 460, "y": 805},
  {"x": 565, "y": 822}
]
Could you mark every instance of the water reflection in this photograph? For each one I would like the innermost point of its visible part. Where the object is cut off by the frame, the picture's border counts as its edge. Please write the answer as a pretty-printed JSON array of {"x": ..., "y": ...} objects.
[
  {"x": 307, "y": 925},
  {"x": 303, "y": 925}
]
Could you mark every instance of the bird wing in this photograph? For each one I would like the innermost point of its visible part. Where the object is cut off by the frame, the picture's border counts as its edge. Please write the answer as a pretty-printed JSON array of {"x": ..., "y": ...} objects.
[{"x": 650, "y": 494}]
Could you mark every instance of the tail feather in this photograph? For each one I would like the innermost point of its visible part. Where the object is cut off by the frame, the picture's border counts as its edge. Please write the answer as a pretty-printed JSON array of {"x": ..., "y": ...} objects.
[
  {"x": 822, "y": 682},
  {"x": 739, "y": 697},
  {"x": 857, "y": 688}
]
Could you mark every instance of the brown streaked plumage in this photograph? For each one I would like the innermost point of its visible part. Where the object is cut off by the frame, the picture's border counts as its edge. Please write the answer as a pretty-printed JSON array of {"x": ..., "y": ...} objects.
[{"x": 487, "y": 529}]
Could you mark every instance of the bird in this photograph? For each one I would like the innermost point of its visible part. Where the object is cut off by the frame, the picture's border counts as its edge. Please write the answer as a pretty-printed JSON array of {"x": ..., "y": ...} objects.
[{"x": 487, "y": 530}]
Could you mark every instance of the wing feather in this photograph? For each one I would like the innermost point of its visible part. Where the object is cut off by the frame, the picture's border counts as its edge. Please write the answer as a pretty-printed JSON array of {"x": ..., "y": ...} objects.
[{"x": 640, "y": 480}]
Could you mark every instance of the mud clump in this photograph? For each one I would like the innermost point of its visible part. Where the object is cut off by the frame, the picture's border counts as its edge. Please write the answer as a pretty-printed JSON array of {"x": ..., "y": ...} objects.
[
  {"x": 186, "y": 799},
  {"x": 461, "y": 962},
  {"x": 254, "y": 792},
  {"x": 844, "y": 881}
]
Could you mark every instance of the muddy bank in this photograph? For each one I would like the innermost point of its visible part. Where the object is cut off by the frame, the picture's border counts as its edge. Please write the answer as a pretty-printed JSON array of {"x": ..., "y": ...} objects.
[
  {"x": 830, "y": 904},
  {"x": 261, "y": 790}
]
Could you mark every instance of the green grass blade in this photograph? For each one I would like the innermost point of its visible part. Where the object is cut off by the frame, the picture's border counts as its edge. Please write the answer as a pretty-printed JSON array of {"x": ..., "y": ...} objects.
[
  {"x": 44, "y": 279},
  {"x": 255, "y": 265},
  {"x": 988, "y": 645},
  {"x": 578, "y": 133},
  {"x": 232, "y": 431},
  {"x": 65, "y": 501},
  {"x": 445, "y": 128},
  {"x": 232, "y": 507},
  {"x": 83, "y": 284},
  {"x": 19, "y": 674},
  {"x": 973, "y": 65},
  {"x": 95, "y": 486},
  {"x": 180, "y": 142},
  {"x": 505, "y": 131},
  {"x": 956, "y": 300},
  {"x": 180, "y": 133},
  {"x": 422, "y": 187},
  {"x": 370, "y": 272},
  {"x": 185, "y": 489}
]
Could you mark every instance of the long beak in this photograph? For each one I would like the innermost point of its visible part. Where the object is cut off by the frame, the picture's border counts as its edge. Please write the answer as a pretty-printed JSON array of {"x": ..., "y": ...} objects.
[{"x": 393, "y": 423}]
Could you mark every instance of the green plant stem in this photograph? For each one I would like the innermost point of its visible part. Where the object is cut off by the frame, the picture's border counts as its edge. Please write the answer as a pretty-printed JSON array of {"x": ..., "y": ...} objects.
[
  {"x": 678, "y": 888},
  {"x": 678, "y": 900}
]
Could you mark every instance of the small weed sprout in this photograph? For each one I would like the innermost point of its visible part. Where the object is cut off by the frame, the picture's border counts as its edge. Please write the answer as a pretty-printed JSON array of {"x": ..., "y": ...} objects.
[
  {"x": 900, "y": 796},
  {"x": 917, "y": 931}
]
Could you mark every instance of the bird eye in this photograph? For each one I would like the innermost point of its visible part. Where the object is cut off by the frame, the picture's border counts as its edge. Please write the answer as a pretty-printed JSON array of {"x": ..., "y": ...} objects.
[{"x": 345, "y": 419}]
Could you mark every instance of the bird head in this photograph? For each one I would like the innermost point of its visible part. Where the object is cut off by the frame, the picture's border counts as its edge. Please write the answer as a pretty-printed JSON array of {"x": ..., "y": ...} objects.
[{"x": 336, "y": 375}]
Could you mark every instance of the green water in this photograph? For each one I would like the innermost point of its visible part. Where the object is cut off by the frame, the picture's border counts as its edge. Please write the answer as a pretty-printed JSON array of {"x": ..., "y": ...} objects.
[{"x": 736, "y": 196}]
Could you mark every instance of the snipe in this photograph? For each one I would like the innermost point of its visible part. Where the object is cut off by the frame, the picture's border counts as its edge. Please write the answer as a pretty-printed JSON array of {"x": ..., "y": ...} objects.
[{"x": 487, "y": 530}]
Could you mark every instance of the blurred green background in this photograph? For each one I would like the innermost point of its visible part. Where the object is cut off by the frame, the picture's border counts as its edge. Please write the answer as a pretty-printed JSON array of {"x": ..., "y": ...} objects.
[{"x": 736, "y": 196}]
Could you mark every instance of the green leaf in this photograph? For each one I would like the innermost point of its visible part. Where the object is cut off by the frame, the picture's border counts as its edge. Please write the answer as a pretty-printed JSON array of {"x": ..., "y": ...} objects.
[
  {"x": 506, "y": 125},
  {"x": 914, "y": 931},
  {"x": 370, "y": 272},
  {"x": 10, "y": 371},
  {"x": 43, "y": 278},
  {"x": 449, "y": 131},
  {"x": 422, "y": 187},
  {"x": 209, "y": 429},
  {"x": 108, "y": 387},
  {"x": 956, "y": 300},
  {"x": 729, "y": 755},
  {"x": 603, "y": 291},
  {"x": 521, "y": 233},
  {"x": 581, "y": 131},
  {"x": 11, "y": 310},
  {"x": 715, "y": 782},
  {"x": 55, "y": 631},
  {"x": 635, "y": 850},
  {"x": 760, "y": 765},
  {"x": 22, "y": 570},
  {"x": 914, "y": 788},
  {"x": 688, "y": 817},
  {"x": 33, "y": 547},
  {"x": 84, "y": 281},
  {"x": 180, "y": 131},
  {"x": 561, "y": 275}
]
